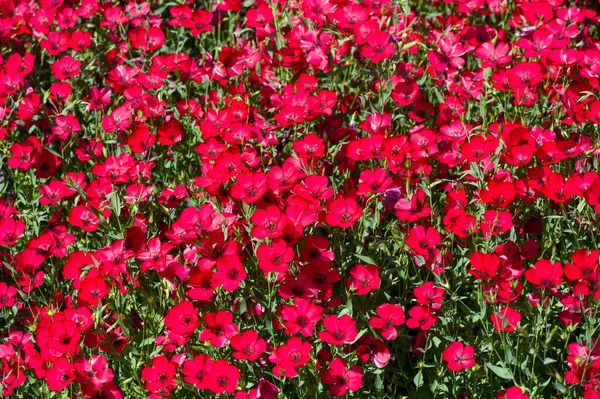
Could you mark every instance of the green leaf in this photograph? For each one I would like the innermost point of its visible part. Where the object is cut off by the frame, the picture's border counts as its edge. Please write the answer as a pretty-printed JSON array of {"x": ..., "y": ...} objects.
[
  {"x": 366, "y": 259},
  {"x": 499, "y": 371},
  {"x": 418, "y": 380}
]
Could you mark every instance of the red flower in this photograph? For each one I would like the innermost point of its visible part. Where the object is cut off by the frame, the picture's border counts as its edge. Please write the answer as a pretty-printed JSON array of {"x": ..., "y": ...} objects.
[
  {"x": 219, "y": 328},
  {"x": 10, "y": 231},
  {"x": 378, "y": 48},
  {"x": 222, "y": 377},
  {"x": 140, "y": 140},
  {"x": 160, "y": 377},
  {"x": 310, "y": 147},
  {"x": 182, "y": 319},
  {"x": 485, "y": 266},
  {"x": 342, "y": 379},
  {"x": 364, "y": 279},
  {"x": 373, "y": 181},
  {"x": 390, "y": 316},
  {"x": 343, "y": 212},
  {"x": 93, "y": 374},
  {"x": 290, "y": 115},
  {"x": 545, "y": 273},
  {"x": 374, "y": 349},
  {"x": 421, "y": 242},
  {"x": 512, "y": 393},
  {"x": 195, "y": 371},
  {"x": 593, "y": 113},
  {"x": 25, "y": 154},
  {"x": 93, "y": 289},
  {"x": 302, "y": 317},
  {"x": 495, "y": 222},
  {"x": 230, "y": 272},
  {"x": 275, "y": 258},
  {"x": 268, "y": 222},
  {"x": 526, "y": 74},
  {"x": 155, "y": 256},
  {"x": 340, "y": 330},
  {"x": 66, "y": 67},
  {"x": 499, "y": 194},
  {"x": 60, "y": 375},
  {"x": 170, "y": 133},
  {"x": 420, "y": 317},
  {"x": 430, "y": 295},
  {"x": 202, "y": 284},
  {"x": 289, "y": 357},
  {"x": 7, "y": 295},
  {"x": 248, "y": 345},
  {"x": 249, "y": 187},
  {"x": 64, "y": 337},
  {"x": 506, "y": 319},
  {"x": 459, "y": 356},
  {"x": 493, "y": 56}
]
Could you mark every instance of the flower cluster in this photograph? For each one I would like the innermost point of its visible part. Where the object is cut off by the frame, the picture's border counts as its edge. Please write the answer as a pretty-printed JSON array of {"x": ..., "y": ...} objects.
[{"x": 289, "y": 199}]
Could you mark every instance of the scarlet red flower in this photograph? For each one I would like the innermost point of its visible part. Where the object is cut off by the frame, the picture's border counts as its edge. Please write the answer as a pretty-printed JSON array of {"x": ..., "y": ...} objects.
[
  {"x": 113, "y": 258},
  {"x": 268, "y": 222},
  {"x": 373, "y": 349},
  {"x": 60, "y": 375},
  {"x": 310, "y": 146},
  {"x": 373, "y": 181},
  {"x": 182, "y": 319},
  {"x": 7, "y": 295},
  {"x": 364, "y": 279},
  {"x": 339, "y": 331},
  {"x": 10, "y": 231},
  {"x": 493, "y": 55},
  {"x": 343, "y": 212},
  {"x": 17, "y": 65},
  {"x": 170, "y": 133},
  {"x": 93, "y": 289},
  {"x": 155, "y": 256},
  {"x": 160, "y": 377},
  {"x": 66, "y": 67},
  {"x": 378, "y": 48},
  {"x": 222, "y": 377},
  {"x": 545, "y": 273},
  {"x": 499, "y": 194},
  {"x": 93, "y": 374},
  {"x": 420, "y": 241},
  {"x": 140, "y": 140},
  {"x": 274, "y": 258},
  {"x": 420, "y": 317},
  {"x": 512, "y": 393},
  {"x": 506, "y": 319},
  {"x": 219, "y": 328},
  {"x": 195, "y": 371},
  {"x": 593, "y": 113},
  {"x": 248, "y": 345},
  {"x": 289, "y": 357},
  {"x": 495, "y": 222},
  {"x": 459, "y": 356},
  {"x": 485, "y": 266},
  {"x": 249, "y": 187},
  {"x": 302, "y": 317},
  {"x": 290, "y": 115},
  {"x": 430, "y": 295},
  {"x": 341, "y": 378},
  {"x": 230, "y": 272},
  {"x": 64, "y": 337},
  {"x": 390, "y": 316},
  {"x": 25, "y": 154}
]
